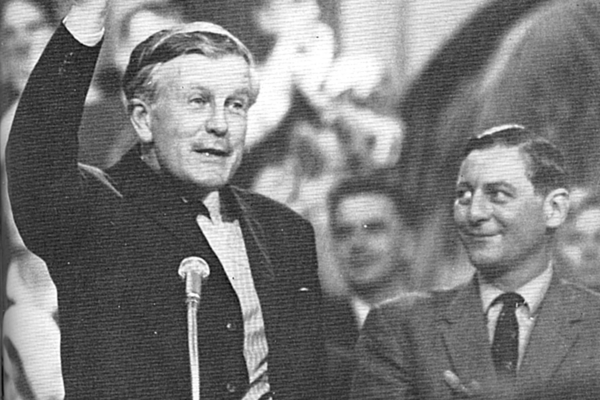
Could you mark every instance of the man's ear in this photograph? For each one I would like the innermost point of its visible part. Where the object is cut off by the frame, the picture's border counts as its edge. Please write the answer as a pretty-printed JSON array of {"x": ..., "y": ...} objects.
[
  {"x": 556, "y": 207},
  {"x": 140, "y": 118}
]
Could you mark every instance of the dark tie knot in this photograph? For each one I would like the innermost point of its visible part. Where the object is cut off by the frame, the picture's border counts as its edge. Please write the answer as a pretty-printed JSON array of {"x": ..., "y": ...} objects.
[{"x": 510, "y": 300}]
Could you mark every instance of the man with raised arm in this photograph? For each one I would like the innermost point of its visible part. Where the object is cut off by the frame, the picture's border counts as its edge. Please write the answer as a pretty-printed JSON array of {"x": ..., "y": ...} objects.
[
  {"x": 114, "y": 240},
  {"x": 516, "y": 330}
]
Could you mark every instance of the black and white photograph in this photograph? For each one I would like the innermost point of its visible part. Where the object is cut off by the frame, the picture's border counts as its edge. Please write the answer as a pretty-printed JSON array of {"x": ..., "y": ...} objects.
[{"x": 300, "y": 199}]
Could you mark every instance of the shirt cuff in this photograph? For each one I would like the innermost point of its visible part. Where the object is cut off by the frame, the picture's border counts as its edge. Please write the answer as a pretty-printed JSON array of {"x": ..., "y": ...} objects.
[{"x": 87, "y": 29}]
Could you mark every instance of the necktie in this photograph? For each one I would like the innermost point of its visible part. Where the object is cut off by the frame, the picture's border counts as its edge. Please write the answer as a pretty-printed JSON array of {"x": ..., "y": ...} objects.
[{"x": 505, "y": 347}]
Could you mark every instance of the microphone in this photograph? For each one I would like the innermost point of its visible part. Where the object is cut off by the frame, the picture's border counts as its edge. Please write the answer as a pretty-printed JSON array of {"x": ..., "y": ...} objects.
[{"x": 193, "y": 270}]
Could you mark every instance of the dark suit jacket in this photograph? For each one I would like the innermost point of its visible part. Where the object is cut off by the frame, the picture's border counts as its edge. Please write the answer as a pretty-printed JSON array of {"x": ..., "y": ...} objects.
[
  {"x": 113, "y": 243},
  {"x": 404, "y": 351}
]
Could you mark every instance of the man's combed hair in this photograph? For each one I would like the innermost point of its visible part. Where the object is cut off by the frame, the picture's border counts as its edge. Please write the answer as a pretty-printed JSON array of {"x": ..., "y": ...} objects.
[
  {"x": 382, "y": 181},
  {"x": 169, "y": 44},
  {"x": 546, "y": 167}
]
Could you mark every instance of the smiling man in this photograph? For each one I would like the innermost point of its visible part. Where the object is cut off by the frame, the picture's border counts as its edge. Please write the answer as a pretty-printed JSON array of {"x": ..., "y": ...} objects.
[
  {"x": 114, "y": 240},
  {"x": 516, "y": 331},
  {"x": 373, "y": 237}
]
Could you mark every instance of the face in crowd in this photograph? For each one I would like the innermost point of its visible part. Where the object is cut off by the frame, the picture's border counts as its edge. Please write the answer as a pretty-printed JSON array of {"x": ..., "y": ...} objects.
[
  {"x": 192, "y": 119},
  {"x": 371, "y": 243},
  {"x": 25, "y": 32},
  {"x": 504, "y": 221},
  {"x": 579, "y": 245}
]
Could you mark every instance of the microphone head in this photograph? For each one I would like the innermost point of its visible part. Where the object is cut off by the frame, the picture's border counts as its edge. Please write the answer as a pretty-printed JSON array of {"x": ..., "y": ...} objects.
[
  {"x": 193, "y": 270},
  {"x": 195, "y": 265}
]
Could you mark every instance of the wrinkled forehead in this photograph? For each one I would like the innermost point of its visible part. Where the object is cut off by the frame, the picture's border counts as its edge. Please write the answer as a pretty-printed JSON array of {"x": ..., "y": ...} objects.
[
  {"x": 366, "y": 207},
  {"x": 227, "y": 75}
]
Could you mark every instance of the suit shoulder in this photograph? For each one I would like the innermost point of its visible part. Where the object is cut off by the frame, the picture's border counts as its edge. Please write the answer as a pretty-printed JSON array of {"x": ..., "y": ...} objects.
[
  {"x": 90, "y": 172},
  {"x": 421, "y": 309},
  {"x": 581, "y": 294}
]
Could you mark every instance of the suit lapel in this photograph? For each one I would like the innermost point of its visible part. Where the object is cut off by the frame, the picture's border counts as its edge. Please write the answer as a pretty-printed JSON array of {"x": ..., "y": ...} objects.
[
  {"x": 554, "y": 333},
  {"x": 261, "y": 267},
  {"x": 254, "y": 238},
  {"x": 466, "y": 337}
]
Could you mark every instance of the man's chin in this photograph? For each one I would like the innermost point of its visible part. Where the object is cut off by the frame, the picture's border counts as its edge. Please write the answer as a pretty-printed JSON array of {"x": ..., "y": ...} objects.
[
  {"x": 489, "y": 268},
  {"x": 207, "y": 184}
]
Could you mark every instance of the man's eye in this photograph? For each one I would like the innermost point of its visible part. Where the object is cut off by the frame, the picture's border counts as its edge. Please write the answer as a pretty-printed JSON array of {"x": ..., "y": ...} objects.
[
  {"x": 199, "y": 100},
  {"x": 374, "y": 227},
  {"x": 238, "y": 105},
  {"x": 463, "y": 196},
  {"x": 499, "y": 196}
]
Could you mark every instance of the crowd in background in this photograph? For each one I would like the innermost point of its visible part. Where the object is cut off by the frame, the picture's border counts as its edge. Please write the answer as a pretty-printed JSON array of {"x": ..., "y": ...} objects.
[{"x": 323, "y": 118}]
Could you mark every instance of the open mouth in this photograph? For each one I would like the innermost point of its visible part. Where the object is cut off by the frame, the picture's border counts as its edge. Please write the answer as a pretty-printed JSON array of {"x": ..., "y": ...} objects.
[{"x": 212, "y": 152}]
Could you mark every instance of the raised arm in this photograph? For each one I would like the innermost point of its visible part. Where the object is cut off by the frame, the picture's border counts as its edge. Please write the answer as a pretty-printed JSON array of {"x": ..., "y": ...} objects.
[{"x": 46, "y": 190}]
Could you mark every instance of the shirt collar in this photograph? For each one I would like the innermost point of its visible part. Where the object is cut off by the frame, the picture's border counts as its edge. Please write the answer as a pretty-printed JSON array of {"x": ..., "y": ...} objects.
[
  {"x": 533, "y": 291},
  {"x": 219, "y": 207},
  {"x": 361, "y": 309}
]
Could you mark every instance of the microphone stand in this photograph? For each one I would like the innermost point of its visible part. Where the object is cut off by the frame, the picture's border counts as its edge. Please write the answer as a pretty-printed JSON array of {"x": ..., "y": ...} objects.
[{"x": 193, "y": 270}]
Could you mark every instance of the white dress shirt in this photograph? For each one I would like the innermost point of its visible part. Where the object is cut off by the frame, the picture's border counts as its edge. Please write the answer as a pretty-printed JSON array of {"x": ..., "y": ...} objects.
[{"x": 225, "y": 238}]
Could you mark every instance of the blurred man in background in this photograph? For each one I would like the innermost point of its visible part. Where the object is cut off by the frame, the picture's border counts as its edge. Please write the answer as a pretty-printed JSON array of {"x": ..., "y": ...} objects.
[
  {"x": 373, "y": 240},
  {"x": 26, "y": 28},
  {"x": 579, "y": 240},
  {"x": 30, "y": 334}
]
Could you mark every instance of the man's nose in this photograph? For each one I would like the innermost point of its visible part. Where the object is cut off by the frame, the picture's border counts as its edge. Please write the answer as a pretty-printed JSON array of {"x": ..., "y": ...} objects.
[
  {"x": 217, "y": 122},
  {"x": 479, "y": 208}
]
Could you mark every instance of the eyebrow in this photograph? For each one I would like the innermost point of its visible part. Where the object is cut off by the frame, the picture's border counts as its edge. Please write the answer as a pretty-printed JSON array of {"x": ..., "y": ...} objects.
[
  {"x": 199, "y": 87},
  {"x": 489, "y": 185},
  {"x": 500, "y": 184},
  {"x": 245, "y": 91}
]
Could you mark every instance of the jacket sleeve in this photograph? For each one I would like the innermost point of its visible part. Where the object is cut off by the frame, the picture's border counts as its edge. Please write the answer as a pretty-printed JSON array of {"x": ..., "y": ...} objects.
[{"x": 45, "y": 186}]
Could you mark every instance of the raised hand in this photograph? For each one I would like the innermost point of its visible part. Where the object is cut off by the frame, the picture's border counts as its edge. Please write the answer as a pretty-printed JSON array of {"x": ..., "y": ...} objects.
[{"x": 86, "y": 20}]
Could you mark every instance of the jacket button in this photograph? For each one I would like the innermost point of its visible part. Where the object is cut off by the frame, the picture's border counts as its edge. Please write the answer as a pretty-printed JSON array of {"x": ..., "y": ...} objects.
[
  {"x": 231, "y": 326},
  {"x": 231, "y": 387}
]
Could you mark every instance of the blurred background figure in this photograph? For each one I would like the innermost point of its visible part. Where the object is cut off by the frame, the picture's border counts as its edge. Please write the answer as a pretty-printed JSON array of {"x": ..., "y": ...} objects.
[
  {"x": 340, "y": 118},
  {"x": 26, "y": 28},
  {"x": 30, "y": 334},
  {"x": 373, "y": 237},
  {"x": 579, "y": 239}
]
